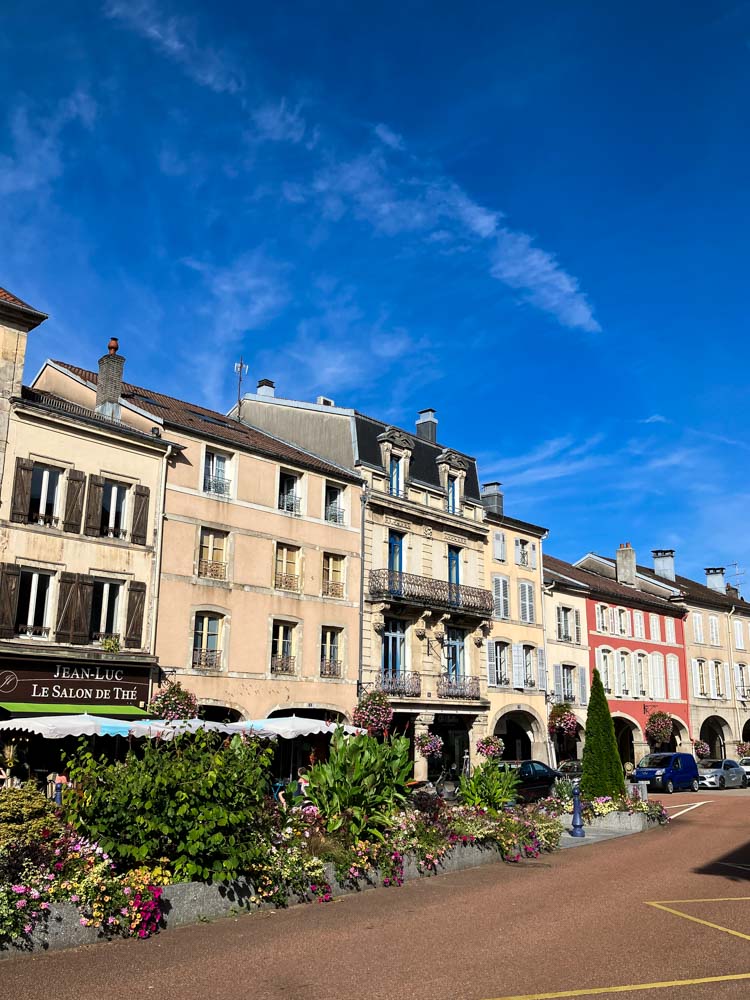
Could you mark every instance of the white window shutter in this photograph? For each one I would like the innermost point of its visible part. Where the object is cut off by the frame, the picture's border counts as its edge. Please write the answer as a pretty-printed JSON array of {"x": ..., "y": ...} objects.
[
  {"x": 737, "y": 677},
  {"x": 506, "y": 597},
  {"x": 712, "y": 679},
  {"x": 560, "y": 621},
  {"x": 497, "y": 594},
  {"x": 739, "y": 635},
  {"x": 530, "y": 602},
  {"x": 523, "y": 602},
  {"x": 518, "y": 551},
  {"x": 599, "y": 618},
  {"x": 518, "y": 668},
  {"x": 558, "y": 692},
  {"x": 498, "y": 546},
  {"x": 612, "y": 621},
  {"x": 533, "y": 555},
  {"x": 491, "y": 672},
  {"x": 727, "y": 681},
  {"x": 651, "y": 680},
  {"x": 577, "y": 635},
  {"x": 696, "y": 678},
  {"x": 541, "y": 665},
  {"x": 583, "y": 687},
  {"x": 673, "y": 678}
]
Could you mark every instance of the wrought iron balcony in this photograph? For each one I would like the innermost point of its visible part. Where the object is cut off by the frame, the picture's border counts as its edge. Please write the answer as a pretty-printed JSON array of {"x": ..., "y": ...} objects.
[
  {"x": 282, "y": 664},
  {"x": 107, "y": 532},
  {"x": 387, "y": 584},
  {"x": 216, "y": 485},
  {"x": 404, "y": 685},
  {"x": 213, "y": 569},
  {"x": 453, "y": 506},
  {"x": 289, "y": 502},
  {"x": 287, "y": 581},
  {"x": 33, "y": 631},
  {"x": 110, "y": 637},
  {"x": 330, "y": 668},
  {"x": 334, "y": 513},
  {"x": 207, "y": 659},
  {"x": 450, "y": 686},
  {"x": 333, "y": 588},
  {"x": 46, "y": 520}
]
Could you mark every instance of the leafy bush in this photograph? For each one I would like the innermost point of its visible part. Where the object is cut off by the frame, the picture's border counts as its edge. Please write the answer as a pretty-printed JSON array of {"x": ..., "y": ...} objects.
[
  {"x": 196, "y": 802},
  {"x": 26, "y": 816},
  {"x": 489, "y": 787},
  {"x": 602, "y": 767},
  {"x": 361, "y": 785}
]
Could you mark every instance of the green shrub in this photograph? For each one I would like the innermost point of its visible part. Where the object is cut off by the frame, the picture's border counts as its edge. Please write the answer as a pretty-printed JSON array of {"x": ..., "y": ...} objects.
[
  {"x": 602, "y": 767},
  {"x": 26, "y": 816},
  {"x": 489, "y": 787},
  {"x": 197, "y": 802},
  {"x": 361, "y": 785}
]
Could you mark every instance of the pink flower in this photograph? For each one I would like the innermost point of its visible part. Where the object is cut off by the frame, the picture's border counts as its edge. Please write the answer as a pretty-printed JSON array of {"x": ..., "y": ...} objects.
[
  {"x": 20, "y": 904},
  {"x": 83, "y": 922},
  {"x": 44, "y": 906},
  {"x": 27, "y": 929}
]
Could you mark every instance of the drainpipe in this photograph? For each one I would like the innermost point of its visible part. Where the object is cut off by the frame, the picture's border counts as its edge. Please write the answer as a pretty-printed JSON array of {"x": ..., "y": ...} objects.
[
  {"x": 551, "y": 756},
  {"x": 363, "y": 499},
  {"x": 156, "y": 580}
]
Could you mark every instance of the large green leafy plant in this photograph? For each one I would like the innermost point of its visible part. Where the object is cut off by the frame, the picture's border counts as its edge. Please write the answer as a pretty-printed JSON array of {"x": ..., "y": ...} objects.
[
  {"x": 602, "y": 767},
  {"x": 489, "y": 787},
  {"x": 361, "y": 785},
  {"x": 197, "y": 802}
]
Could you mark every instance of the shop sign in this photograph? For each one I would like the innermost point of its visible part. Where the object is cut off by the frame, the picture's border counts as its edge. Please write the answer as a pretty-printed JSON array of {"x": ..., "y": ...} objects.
[{"x": 71, "y": 682}]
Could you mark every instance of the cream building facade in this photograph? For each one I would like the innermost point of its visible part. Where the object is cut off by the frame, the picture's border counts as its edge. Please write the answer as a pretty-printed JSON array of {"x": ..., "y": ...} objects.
[
  {"x": 259, "y": 567},
  {"x": 79, "y": 534},
  {"x": 426, "y": 608}
]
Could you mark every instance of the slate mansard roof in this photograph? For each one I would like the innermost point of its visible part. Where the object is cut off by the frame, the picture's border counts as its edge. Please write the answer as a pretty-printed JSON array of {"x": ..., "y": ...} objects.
[
  {"x": 423, "y": 466},
  {"x": 205, "y": 423}
]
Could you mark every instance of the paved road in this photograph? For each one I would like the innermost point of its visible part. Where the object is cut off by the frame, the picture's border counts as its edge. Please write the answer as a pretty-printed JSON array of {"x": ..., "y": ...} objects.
[{"x": 569, "y": 924}]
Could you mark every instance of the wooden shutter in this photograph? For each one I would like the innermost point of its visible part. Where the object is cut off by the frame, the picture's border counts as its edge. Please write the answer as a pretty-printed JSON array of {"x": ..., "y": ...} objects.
[
  {"x": 712, "y": 678},
  {"x": 139, "y": 532},
  {"x": 612, "y": 621},
  {"x": 93, "y": 525},
  {"x": 583, "y": 686},
  {"x": 727, "y": 681},
  {"x": 67, "y": 603},
  {"x": 498, "y": 546},
  {"x": 523, "y": 602},
  {"x": 21, "y": 500},
  {"x": 577, "y": 615},
  {"x": 81, "y": 628},
  {"x": 673, "y": 678},
  {"x": 74, "y": 501},
  {"x": 533, "y": 555},
  {"x": 491, "y": 672},
  {"x": 696, "y": 678},
  {"x": 518, "y": 551},
  {"x": 558, "y": 682},
  {"x": 560, "y": 623},
  {"x": 497, "y": 595},
  {"x": 527, "y": 593},
  {"x": 541, "y": 667},
  {"x": 136, "y": 606},
  {"x": 518, "y": 668},
  {"x": 10, "y": 576},
  {"x": 506, "y": 596}
]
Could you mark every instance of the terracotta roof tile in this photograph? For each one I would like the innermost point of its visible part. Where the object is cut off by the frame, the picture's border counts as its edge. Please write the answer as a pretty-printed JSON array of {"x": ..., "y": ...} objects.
[
  {"x": 212, "y": 424},
  {"x": 602, "y": 585},
  {"x": 695, "y": 591},
  {"x": 6, "y": 296}
]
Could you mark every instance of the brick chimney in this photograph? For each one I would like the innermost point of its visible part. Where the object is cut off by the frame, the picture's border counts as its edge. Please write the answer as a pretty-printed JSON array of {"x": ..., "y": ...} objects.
[
  {"x": 492, "y": 498},
  {"x": 427, "y": 425},
  {"x": 715, "y": 578},
  {"x": 109, "y": 383},
  {"x": 625, "y": 558},
  {"x": 664, "y": 563}
]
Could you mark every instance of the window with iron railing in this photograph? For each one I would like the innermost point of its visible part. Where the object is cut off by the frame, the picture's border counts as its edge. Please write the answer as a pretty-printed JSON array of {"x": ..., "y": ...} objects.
[
  {"x": 215, "y": 478},
  {"x": 283, "y": 659},
  {"x": 333, "y": 575},
  {"x": 207, "y": 640},
  {"x": 289, "y": 497},
  {"x": 45, "y": 495},
  {"x": 334, "y": 508},
  {"x": 330, "y": 652},
  {"x": 33, "y": 608},
  {"x": 287, "y": 567},
  {"x": 105, "y": 610},
  {"x": 212, "y": 562}
]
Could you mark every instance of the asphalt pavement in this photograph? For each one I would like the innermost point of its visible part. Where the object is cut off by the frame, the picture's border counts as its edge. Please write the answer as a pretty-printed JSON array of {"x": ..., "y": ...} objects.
[{"x": 664, "y": 913}]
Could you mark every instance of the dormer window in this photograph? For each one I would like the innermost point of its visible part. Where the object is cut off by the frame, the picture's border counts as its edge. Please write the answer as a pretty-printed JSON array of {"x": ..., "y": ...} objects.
[
  {"x": 289, "y": 494},
  {"x": 396, "y": 476},
  {"x": 452, "y": 501}
]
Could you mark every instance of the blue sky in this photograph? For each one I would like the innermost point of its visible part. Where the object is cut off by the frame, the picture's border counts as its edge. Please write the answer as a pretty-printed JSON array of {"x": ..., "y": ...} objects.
[{"x": 532, "y": 218}]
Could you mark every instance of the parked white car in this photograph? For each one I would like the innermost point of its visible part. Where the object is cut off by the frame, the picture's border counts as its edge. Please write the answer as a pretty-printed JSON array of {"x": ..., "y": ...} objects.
[
  {"x": 744, "y": 763},
  {"x": 721, "y": 774}
]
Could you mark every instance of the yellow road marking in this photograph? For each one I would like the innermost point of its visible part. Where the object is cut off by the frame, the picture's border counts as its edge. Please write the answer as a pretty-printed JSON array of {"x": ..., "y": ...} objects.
[
  {"x": 634, "y": 987},
  {"x": 709, "y": 899},
  {"x": 697, "y": 920}
]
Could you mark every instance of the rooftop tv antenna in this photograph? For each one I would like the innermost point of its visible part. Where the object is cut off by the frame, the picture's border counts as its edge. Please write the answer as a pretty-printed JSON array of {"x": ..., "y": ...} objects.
[
  {"x": 737, "y": 575},
  {"x": 240, "y": 370}
]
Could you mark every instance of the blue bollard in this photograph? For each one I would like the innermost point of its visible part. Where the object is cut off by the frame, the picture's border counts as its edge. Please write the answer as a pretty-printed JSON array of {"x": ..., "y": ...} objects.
[
  {"x": 58, "y": 793},
  {"x": 577, "y": 830}
]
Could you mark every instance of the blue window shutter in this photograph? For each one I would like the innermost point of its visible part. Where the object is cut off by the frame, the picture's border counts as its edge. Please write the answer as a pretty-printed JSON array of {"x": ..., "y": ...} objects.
[
  {"x": 583, "y": 688},
  {"x": 518, "y": 669}
]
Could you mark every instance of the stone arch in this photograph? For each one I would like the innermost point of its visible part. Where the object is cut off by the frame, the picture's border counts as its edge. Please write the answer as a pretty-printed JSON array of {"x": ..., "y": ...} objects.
[
  {"x": 522, "y": 730},
  {"x": 319, "y": 710},
  {"x": 627, "y": 733},
  {"x": 717, "y": 733},
  {"x": 680, "y": 734},
  {"x": 212, "y": 709},
  {"x": 746, "y": 732}
]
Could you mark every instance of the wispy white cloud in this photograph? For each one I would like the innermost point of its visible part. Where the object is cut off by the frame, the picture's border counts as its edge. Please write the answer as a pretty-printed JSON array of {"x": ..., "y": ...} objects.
[
  {"x": 277, "y": 122},
  {"x": 177, "y": 37},
  {"x": 655, "y": 418},
  {"x": 388, "y": 137},
  {"x": 38, "y": 143}
]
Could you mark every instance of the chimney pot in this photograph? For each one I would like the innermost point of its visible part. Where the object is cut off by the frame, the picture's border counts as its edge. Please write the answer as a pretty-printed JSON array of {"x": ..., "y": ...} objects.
[
  {"x": 114, "y": 345},
  {"x": 427, "y": 425},
  {"x": 625, "y": 563},
  {"x": 664, "y": 563}
]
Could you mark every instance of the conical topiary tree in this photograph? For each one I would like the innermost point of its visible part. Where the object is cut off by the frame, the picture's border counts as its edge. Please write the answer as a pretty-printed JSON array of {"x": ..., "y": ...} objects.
[{"x": 602, "y": 767}]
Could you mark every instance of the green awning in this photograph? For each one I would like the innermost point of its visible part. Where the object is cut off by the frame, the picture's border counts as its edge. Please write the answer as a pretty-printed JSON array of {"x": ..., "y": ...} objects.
[{"x": 37, "y": 708}]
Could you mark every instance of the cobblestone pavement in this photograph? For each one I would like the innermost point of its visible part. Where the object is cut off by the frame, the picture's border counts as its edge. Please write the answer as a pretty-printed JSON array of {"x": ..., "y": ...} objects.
[{"x": 668, "y": 909}]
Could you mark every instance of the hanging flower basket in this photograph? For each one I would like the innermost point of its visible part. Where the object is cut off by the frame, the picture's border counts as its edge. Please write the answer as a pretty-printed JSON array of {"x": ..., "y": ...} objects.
[
  {"x": 743, "y": 749},
  {"x": 374, "y": 712},
  {"x": 174, "y": 702},
  {"x": 562, "y": 720},
  {"x": 491, "y": 747},
  {"x": 701, "y": 748},
  {"x": 429, "y": 744},
  {"x": 659, "y": 728}
]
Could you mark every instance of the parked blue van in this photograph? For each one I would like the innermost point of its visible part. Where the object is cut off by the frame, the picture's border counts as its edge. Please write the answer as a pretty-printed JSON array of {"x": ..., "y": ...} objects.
[{"x": 668, "y": 772}]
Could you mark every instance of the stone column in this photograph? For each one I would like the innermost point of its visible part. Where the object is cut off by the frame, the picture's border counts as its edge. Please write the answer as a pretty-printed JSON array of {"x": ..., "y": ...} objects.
[{"x": 421, "y": 724}]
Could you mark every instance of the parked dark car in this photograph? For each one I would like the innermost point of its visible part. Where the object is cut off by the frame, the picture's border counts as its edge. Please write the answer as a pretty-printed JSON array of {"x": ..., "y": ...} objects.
[
  {"x": 537, "y": 779},
  {"x": 571, "y": 769},
  {"x": 667, "y": 772}
]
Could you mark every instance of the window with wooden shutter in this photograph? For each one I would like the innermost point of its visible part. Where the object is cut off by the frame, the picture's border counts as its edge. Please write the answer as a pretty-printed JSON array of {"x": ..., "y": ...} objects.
[
  {"x": 136, "y": 608},
  {"x": 533, "y": 555},
  {"x": 139, "y": 531},
  {"x": 491, "y": 670},
  {"x": 558, "y": 681},
  {"x": 81, "y": 630},
  {"x": 518, "y": 665},
  {"x": 10, "y": 575},
  {"x": 526, "y": 598},
  {"x": 21, "y": 500},
  {"x": 74, "y": 501},
  {"x": 93, "y": 524},
  {"x": 583, "y": 692},
  {"x": 541, "y": 664},
  {"x": 498, "y": 546},
  {"x": 673, "y": 678},
  {"x": 577, "y": 616},
  {"x": 501, "y": 596},
  {"x": 67, "y": 602}
]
